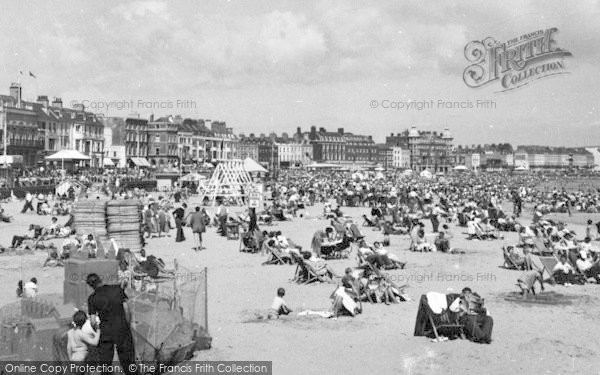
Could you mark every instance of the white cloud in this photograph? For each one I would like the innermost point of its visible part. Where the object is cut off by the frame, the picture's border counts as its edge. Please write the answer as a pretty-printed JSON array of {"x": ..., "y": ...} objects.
[{"x": 140, "y": 9}]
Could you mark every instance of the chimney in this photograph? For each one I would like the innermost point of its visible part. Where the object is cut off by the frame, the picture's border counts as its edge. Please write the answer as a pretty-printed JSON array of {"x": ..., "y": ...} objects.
[
  {"x": 313, "y": 131},
  {"x": 57, "y": 102},
  {"x": 321, "y": 130},
  {"x": 16, "y": 91},
  {"x": 79, "y": 107},
  {"x": 43, "y": 100},
  {"x": 298, "y": 131},
  {"x": 341, "y": 131},
  {"x": 285, "y": 136},
  {"x": 151, "y": 119},
  {"x": 251, "y": 135}
]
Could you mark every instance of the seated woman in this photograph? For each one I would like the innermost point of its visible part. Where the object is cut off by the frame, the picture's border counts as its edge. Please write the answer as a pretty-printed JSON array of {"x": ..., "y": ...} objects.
[
  {"x": 566, "y": 242},
  {"x": 343, "y": 304},
  {"x": 80, "y": 336},
  {"x": 442, "y": 243},
  {"x": 422, "y": 244},
  {"x": 589, "y": 267},
  {"x": 319, "y": 238},
  {"x": 381, "y": 259},
  {"x": 321, "y": 268},
  {"x": 563, "y": 272},
  {"x": 473, "y": 316},
  {"x": 377, "y": 289},
  {"x": 275, "y": 253}
]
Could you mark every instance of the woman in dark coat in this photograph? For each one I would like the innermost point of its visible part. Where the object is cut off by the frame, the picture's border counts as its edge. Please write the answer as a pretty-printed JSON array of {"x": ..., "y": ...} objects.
[
  {"x": 198, "y": 226},
  {"x": 179, "y": 215}
]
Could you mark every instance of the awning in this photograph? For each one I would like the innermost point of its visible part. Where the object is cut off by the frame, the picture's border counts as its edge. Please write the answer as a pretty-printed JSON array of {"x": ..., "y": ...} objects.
[
  {"x": 140, "y": 162},
  {"x": 68, "y": 155},
  {"x": 108, "y": 163}
]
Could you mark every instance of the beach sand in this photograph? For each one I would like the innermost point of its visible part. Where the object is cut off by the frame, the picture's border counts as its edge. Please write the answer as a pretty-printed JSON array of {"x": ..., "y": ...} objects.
[{"x": 527, "y": 338}]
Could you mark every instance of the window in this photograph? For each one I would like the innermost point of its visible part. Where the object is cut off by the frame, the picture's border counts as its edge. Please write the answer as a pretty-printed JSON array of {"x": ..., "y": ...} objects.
[{"x": 157, "y": 150}]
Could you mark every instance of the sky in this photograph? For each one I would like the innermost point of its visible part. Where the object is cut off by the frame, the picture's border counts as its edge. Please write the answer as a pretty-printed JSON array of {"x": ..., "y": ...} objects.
[{"x": 264, "y": 66}]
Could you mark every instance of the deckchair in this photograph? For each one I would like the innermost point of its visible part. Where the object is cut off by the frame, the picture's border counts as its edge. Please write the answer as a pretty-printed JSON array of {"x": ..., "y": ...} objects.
[
  {"x": 312, "y": 274},
  {"x": 509, "y": 263},
  {"x": 249, "y": 243},
  {"x": 339, "y": 227},
  {"x": 305, "y": 274},
  {"x": 299, "y": 273},
  {"x": 277, "y": 257},
  {"x": 541, "y": 247},
  {"x": 433, "y": 325},
  {"x": 356, "y": 233},
  {"x": 548, "y": 262}
]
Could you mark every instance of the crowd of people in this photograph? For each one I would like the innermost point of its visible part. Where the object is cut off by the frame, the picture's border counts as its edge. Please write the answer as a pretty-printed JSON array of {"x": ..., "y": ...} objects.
[{"x": 487, "y": 205}]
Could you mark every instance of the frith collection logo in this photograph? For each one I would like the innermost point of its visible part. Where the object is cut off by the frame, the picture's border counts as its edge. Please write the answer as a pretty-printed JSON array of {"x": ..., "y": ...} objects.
[{"x": 515, "y": 63}]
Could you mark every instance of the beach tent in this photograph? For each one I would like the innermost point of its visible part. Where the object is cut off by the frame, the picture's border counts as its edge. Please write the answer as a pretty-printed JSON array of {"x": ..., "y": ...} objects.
[
  {"x": 229, "y": 179},
  {"x": 252, "y": 166},
  {"x": 520, "y": 168},
  {"x": 379, "y": 169},
  {"x": 407, "y": 172},
  {"x": 426, "y": 174},
  {"x": 460, "y": 168}
]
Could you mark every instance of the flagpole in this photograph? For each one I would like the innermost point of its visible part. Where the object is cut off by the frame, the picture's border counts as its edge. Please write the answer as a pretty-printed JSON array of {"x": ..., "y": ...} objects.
[{"x": 4, "y": 122}]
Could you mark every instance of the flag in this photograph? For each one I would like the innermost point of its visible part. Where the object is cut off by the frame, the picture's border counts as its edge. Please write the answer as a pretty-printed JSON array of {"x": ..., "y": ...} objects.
[
  {"x": 20, "y": 72},
  {"x": 32, "y": 75}
]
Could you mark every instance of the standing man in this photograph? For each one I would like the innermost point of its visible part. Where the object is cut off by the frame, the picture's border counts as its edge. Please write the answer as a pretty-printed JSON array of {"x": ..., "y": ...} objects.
[
  {"x": 198, "y": 227},
  {"x": 179, "y": 215},
  {"x": 222, "y": 217},
  {"x": 435, "y": 218},
  {"x": 109, "y": 302},
  {"x": 28, "y": 203}
]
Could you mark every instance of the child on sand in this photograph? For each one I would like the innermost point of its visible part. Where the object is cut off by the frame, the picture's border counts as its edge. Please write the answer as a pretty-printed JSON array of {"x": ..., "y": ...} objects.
[{"x": 279, "y": 307}]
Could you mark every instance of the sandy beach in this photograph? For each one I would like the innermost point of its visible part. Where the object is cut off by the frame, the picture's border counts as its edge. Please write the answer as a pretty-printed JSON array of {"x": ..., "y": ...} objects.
[{"x": 527, "y": 338}]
